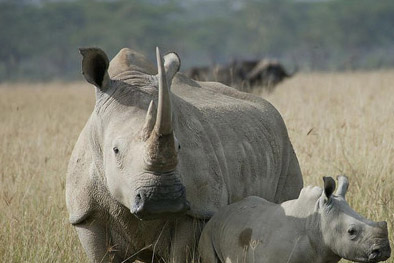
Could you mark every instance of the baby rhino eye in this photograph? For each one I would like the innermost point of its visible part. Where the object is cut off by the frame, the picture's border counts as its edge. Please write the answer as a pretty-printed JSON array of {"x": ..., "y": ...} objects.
[
  {"x": 352, "y": 232},
  {"x": 116, "y": 150}
]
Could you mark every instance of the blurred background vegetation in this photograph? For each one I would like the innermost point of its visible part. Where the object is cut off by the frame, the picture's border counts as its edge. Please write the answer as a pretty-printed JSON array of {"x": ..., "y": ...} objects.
[{"x": 39, "y": 40}]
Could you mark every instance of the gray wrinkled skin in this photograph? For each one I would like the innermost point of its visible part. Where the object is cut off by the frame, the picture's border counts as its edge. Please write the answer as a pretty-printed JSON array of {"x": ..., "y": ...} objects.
[
  {"x": 317, "y": 227},
  {"x": 215, "y": 147}
]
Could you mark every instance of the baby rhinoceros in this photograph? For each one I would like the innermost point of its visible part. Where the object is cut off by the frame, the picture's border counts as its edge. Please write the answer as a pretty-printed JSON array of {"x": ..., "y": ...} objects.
[{"x": 317, "y": 227}]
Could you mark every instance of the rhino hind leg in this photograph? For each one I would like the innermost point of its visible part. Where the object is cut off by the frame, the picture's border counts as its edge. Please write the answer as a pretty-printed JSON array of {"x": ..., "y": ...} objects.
[{"x": 293, "y": 183}]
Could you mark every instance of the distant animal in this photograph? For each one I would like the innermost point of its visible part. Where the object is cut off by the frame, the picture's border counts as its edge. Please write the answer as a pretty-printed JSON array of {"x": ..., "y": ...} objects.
[
  {"x": 267, "y": 73},
  {"x": 238, "y": 71},
  {"x": 232, "y": 74},
  {"x": 203, "y": 73},
  {"x": 152, "y": 163},
  {"x": 244, "y": 75},
  {"x": 318, "y": 227}
]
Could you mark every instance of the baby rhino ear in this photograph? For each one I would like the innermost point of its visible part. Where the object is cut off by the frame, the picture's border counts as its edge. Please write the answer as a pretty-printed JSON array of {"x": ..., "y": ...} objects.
[
  {"x": 94, "y": 67},
  {"x": 329, "y": 187},
  {"x": 343, "y": 185}
]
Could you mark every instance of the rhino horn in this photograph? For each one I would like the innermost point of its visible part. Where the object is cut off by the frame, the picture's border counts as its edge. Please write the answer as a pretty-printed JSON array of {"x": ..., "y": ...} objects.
[
  {"x": 149, "y": 121},
  {"x": 163, "y": 120},
  {"x": 161, "y": 155}
]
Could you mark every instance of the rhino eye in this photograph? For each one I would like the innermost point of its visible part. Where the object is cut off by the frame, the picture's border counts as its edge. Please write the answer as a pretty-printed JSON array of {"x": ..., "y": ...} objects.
[
  {"x": 116, "y": 150},
  {"x": 352, "y": 232}
]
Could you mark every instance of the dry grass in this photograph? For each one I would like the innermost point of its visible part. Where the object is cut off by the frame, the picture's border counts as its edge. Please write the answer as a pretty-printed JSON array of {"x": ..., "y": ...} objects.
[{"x": 338, "y": 123}]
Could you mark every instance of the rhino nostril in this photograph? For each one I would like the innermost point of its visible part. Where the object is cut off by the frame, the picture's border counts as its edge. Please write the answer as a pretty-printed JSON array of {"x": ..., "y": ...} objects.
[
  {"x": 138, "y": 199},
  {"x": 374, "y": 254}
]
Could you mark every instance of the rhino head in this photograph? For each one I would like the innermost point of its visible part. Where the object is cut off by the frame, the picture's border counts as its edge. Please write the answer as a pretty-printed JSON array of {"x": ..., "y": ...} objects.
[
  {"x": 133, "y": 139},
  {"x": 348, "y": 234}
]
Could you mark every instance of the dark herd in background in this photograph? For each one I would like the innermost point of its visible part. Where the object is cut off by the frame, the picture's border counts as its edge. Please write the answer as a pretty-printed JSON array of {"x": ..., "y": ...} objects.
[{"x": 243, "y": 74}]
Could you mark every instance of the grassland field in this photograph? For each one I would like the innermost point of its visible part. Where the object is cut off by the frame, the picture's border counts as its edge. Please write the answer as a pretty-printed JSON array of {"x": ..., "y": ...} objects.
[{"x": 338, "y": 123}]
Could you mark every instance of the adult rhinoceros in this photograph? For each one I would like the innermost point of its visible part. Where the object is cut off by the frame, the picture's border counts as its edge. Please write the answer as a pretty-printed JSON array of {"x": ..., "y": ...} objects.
[{"x": 147, "y": 152}]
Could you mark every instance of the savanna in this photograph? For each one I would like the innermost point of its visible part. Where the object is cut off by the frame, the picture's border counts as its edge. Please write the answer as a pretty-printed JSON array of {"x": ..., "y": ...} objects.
[{"x": 339, "y": 123}]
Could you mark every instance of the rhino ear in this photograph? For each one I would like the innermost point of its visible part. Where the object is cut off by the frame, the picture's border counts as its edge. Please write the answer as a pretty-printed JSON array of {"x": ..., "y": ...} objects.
[
  {"x": 329, "y": 187},
  {"x": 172, "y": 64},
  {"x": 94, "y": 67},
  {"x": 343, "y": 185}
]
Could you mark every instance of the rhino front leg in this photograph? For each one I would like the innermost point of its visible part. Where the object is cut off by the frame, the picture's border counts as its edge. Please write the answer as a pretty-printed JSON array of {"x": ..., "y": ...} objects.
[
  {"x": 185, "y": 240},
  {"x": 95, "y": 239}
]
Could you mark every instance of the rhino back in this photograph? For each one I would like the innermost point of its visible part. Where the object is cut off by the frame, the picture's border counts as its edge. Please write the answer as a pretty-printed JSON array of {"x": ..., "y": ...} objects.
[{"x": 233, "y": 144}]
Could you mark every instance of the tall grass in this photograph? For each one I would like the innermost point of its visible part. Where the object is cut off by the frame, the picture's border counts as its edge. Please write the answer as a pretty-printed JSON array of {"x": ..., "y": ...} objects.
[
  {"x": 338, "y": 123},
  {"x": 38, "y": 126}
]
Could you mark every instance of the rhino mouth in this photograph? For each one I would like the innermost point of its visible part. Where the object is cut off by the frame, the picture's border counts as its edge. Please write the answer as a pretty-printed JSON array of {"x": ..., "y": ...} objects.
[
  {"x": 375, "y": 255},
  {"x": 165, "y": 198},
  {"x": 162, "y": 209},
  {"x": 379, "y": 254}
]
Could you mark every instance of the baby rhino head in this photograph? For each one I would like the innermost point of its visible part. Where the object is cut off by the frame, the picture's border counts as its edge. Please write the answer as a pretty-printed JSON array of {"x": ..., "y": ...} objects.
[{"x": 348, "y": 234}]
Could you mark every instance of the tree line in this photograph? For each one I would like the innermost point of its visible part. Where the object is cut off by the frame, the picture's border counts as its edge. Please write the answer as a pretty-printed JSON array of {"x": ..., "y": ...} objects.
[{"x": 40, "y": 41}]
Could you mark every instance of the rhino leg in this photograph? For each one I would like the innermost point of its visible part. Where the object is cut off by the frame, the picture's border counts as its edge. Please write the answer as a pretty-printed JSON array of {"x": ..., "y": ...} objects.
[
  {"x": 185, "y": 240},
  {"x": 95, "y": 240},
  {"x": 293, "y": 183}
]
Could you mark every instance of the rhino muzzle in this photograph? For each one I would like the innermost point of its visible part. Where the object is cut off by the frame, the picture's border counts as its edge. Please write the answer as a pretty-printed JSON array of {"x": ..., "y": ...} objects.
[
  {"x": 380, "y": 252},
  {"x": 165, "y": 197}
]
